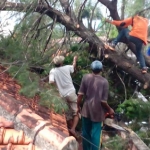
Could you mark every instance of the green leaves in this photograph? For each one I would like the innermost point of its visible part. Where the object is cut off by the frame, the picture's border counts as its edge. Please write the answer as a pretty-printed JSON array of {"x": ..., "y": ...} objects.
[
  {"x": 30, "y": 90},
  {"x": 135, "y": 109},
  {"x": 86, "y": 13},
  {"x": 116, "y": 143},
  {"x": 51, "y": 99}
]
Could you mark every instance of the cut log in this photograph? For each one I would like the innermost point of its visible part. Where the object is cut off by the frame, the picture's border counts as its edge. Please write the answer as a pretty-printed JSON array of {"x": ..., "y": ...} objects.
[
  {"x": 140, "y": 145},
  {"x": 86, "y": 34},
  {"x": 135, "y": 141}
]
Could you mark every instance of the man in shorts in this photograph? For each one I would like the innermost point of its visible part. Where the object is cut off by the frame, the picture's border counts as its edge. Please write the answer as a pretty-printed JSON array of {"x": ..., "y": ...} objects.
[{"x": 61, "y": 75}]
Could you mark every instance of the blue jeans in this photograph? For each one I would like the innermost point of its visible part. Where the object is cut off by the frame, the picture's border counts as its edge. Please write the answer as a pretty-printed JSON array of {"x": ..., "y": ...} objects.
[
  {"x": 138, "y": 44},
  {"x": 148, "y": 51},
  {"x": 123, "y": 33},
  {"x": 91, "y": 132}
]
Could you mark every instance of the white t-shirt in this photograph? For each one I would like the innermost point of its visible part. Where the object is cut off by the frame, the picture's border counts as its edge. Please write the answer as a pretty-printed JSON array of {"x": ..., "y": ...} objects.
[{"x": 62, "y": 77}]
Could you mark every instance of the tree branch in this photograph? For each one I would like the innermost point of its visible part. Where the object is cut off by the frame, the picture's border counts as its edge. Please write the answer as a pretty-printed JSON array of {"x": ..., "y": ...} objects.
[{"x": 86, "y": 35}]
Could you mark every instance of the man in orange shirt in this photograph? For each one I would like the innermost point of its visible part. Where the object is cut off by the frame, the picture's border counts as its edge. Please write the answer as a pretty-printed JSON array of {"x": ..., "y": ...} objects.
[{"x": 137, "y": 35}]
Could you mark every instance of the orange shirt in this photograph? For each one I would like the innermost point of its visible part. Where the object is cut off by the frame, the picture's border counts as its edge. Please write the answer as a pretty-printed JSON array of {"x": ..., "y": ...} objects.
[{"x": 139, "y": 27}]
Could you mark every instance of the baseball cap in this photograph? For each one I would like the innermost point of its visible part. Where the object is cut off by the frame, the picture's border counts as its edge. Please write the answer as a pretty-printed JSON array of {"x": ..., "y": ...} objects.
[
  {"x": 58, "y": 60},
  {"x": 96, "y": 65}
]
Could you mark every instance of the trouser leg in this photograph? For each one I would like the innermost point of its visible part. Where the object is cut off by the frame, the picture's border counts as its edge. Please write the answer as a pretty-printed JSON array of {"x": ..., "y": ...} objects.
[
  {"x": 138, "y": 43},
  {"x": 123, "y": 33},
  {"x": 96, "y": 134},
  {"x": 86, "y": 133}
]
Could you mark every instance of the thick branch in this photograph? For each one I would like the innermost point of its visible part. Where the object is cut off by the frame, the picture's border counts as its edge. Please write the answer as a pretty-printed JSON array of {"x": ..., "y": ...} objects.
[
  {"x": 66, "y": 5},
  {"x": 86, "y": 35},
  {"x": 129, "y": 67},
  {"x": 112, "y": 6}
]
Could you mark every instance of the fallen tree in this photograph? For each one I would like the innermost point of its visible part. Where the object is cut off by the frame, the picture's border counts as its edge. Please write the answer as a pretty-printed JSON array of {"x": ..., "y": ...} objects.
[
  {"x": 134, "y": 141},
  {"x": 72, "y": 24}
]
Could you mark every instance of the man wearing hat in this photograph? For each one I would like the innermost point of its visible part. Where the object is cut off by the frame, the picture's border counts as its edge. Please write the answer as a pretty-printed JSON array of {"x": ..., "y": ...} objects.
[
  {"x": 61, "y": 76},
  {"x": 94, "y": 88}
]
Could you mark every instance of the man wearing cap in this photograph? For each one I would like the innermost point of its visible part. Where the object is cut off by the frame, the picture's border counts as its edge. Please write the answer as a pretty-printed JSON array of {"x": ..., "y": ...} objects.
[
  {"x": 61, "y": 76},
  {"x": 94, "y": 88}
]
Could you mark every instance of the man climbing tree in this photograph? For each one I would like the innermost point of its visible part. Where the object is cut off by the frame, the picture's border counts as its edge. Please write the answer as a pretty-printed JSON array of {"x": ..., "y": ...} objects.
[
  {"x": 137, "y": 35},
  {"x": 61, "y": 76}
]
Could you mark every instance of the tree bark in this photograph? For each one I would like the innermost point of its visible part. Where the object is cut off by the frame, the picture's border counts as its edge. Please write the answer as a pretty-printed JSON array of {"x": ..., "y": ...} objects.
[
  {"x": 122, "y": 9},
  {"x": 138, "y": 143},
  {"x": 85, "y": 34},
  {"x": 135, "y": 142},
  {"x": 112, "y": 6}
]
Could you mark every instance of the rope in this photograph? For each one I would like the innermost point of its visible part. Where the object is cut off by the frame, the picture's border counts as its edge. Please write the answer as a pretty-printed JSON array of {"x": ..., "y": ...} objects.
[{"x": 89, "y": 141}]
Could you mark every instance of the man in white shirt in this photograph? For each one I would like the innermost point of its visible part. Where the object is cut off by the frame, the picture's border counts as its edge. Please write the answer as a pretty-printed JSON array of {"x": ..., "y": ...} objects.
[{"x": 61, "y": 76}]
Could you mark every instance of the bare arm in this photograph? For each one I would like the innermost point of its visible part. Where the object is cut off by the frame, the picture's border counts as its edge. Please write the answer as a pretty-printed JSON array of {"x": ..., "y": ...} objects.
[
  {"x": 148, "y": 40},
  {"x": 74, "y": 61},
  {"x": 107, "y": 20},
  {"x": 79, "y": 100},
  {"x": 51, "y": 78},
  {"x": 52, "y": 82},
  {"x": 107, "y": 107}
]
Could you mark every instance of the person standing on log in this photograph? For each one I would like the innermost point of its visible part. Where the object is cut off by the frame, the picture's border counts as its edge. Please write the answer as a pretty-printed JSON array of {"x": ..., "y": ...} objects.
[
  {"x": 137, "y": 35},
  {"x": 61, "y": 75},
  {"x": 94, "y": 88}
]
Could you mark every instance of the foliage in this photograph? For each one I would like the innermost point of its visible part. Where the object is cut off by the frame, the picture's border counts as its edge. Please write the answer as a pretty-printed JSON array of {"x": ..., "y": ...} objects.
[
  {"x": 37, "y": 38},
  {"x": 145, "y": 136},
  {"x": 24, "y": 57},
  {"x": 115, "y": 143},
  {"x": 83, "y": 62},
  {"x": 51, "y": 99},
  {"x": 137, "y": 5},
  {"x": 113, "y": 32},
  {"x": 135, "y": 109},
  {"x": 108, "y": 30},
  {"x": 32, "y": 45},
  {"x": 91, "y": 14}
]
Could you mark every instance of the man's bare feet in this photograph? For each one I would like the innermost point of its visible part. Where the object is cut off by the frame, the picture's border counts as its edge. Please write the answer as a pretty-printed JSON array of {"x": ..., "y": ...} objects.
[{"x": 73, "y": 133}]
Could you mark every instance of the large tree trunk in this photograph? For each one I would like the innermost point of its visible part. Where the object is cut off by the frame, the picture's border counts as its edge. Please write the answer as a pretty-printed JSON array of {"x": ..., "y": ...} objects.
[
  {"x": 135, "y": 143},
  {"x": 112, "y": 6},
  {"x": 85, "y": 34}
]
